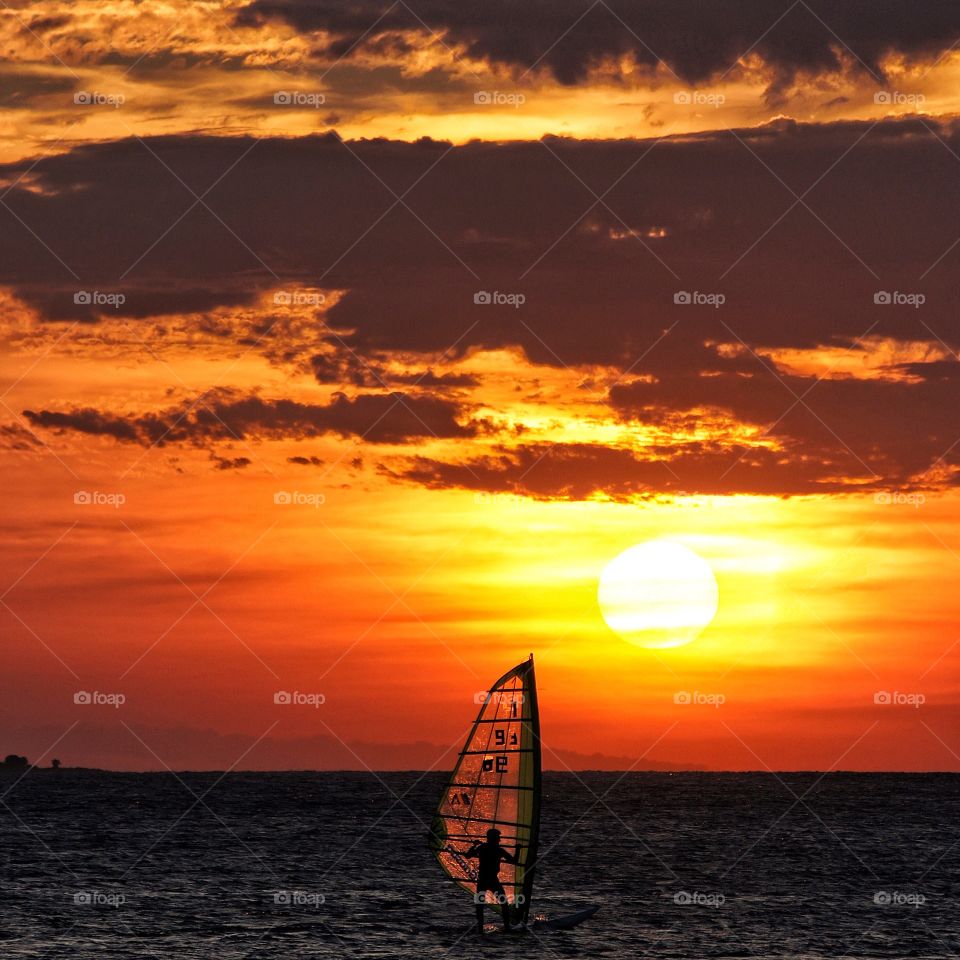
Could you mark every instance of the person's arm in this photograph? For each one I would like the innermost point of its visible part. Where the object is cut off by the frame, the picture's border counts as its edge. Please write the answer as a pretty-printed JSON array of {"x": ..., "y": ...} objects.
[
  {"x": 473, "y": 851},
  {"x": 511, "y": 857}
]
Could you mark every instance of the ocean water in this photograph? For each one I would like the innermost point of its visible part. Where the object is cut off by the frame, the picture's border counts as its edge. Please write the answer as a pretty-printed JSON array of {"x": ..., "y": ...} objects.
[{"x": 317, "y": 865}]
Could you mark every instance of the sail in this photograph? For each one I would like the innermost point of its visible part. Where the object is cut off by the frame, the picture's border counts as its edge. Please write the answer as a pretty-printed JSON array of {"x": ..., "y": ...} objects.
[{"x": 496, "y": 783}]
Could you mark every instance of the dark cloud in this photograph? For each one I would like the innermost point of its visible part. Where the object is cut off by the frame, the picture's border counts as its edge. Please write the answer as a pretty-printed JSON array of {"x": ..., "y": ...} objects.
[
  {"x": 562, "y": 471},
  {"x": 709, "y": 213},
  {"x": 316, "y": 210},
  {"x": 430, "y": 380},
  {"x": 90, "y": 302},
  {"x": 696, "y": 39},
  {"x": 87, "y": 420},
  {"x": 231, "y": 463},
  {"x": 347, "y": 366},
  {"x": 351, "y": 82},
  {"x": 306, "y": 461},
  {"x": 45, "y": 24},
  {"x": 867, "y": 430},
  {"x": 14, "y": 436},
  {"x": 378, "y": 418},
  {"x": 19, "y": 89},
  {"x": 932, "y": 370}
]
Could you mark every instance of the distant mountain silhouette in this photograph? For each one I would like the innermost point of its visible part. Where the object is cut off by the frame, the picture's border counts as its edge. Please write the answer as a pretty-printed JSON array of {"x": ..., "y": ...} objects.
[{"x": 182, "y": 748}]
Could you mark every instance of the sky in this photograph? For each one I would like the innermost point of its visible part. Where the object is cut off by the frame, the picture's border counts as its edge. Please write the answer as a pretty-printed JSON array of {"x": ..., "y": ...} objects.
[{"x": 345, "y": 344}]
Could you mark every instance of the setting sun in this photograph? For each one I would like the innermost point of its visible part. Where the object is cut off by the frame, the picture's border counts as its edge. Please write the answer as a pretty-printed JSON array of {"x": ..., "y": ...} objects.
[{"x": 658, "y": 594}]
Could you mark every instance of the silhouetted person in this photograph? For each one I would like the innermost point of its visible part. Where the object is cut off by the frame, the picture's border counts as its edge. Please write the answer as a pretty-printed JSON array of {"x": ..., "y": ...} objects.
[
  {"x": 55, "y": 764},
  {"x": 490, "y": 854}
]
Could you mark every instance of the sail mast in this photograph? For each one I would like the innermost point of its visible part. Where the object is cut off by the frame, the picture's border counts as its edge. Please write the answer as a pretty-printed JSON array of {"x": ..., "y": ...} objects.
[{"x": 536, "y": 777}]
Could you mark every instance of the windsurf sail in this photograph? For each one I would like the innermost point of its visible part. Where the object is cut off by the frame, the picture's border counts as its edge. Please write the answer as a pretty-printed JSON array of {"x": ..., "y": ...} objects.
[{"x": 496, "y": 783}]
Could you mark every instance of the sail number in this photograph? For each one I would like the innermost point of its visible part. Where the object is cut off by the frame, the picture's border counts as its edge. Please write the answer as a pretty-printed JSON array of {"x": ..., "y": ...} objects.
[{"x": 499, "y": 764}]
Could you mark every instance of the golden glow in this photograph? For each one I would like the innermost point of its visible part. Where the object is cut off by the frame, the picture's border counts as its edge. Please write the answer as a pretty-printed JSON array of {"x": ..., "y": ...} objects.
[
  {"x": 871, "y": 358},
  {"x": 396, "y": 597},
  {"x": 186, "y": 54},
  {"x": 658, "y": 594}
]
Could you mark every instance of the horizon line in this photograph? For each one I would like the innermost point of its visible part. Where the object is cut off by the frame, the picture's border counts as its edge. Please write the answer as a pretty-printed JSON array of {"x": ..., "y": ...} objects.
[{"x": 374, "y": 772}]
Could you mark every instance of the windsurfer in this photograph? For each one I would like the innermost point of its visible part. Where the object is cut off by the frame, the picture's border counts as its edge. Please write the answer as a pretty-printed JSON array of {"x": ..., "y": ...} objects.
[{"x": 490, "y": 855}]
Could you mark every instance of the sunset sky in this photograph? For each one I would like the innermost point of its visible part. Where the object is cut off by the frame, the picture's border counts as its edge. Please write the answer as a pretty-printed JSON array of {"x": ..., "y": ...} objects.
[{"x": 345, "y": 343}]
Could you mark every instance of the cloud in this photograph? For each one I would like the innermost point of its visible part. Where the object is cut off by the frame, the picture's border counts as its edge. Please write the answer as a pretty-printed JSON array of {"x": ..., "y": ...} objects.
[
  {"x": 697, "y": 41},
  {"x": 224, "y": 415},
  {"x": 869, "y": 430},
  {"x": 88, "y": 302},
  {"x": 347, "y": 366},
  {"x": 597, "y": 287},
  {"x": 231, "y": 463},
  {"x": 21, "y": 89},
  {"x": 564, "y": 471},
  {"x": 488, "y": 224},
  {"x": 46, "y": 24},
  {"x": 14, "y": 436}
]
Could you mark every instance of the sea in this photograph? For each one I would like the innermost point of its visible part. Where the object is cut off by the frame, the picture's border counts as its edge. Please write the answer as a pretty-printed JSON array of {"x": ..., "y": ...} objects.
[{"x": 312, "y": 865}]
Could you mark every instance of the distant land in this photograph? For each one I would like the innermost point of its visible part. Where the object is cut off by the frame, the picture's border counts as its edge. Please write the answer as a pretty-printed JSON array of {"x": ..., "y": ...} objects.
[
  {"x": 191, "y": 749},
  {"x": 144, "y": 749},
  {"x": 14, "y": 761}
]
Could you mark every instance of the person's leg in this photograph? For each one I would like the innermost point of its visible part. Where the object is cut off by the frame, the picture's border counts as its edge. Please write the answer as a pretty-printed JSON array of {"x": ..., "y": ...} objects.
[
  {"x": 480, "y": 897},
  {"x": 504, "y": 905}
]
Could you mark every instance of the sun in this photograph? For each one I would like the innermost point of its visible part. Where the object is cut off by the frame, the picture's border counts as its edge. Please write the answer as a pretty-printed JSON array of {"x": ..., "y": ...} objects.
[{"x": 658, "y": 594}]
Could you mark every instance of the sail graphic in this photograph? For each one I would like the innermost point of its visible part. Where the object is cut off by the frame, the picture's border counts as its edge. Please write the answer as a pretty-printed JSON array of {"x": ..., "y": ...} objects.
[{"x": 496, "y": 783}]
